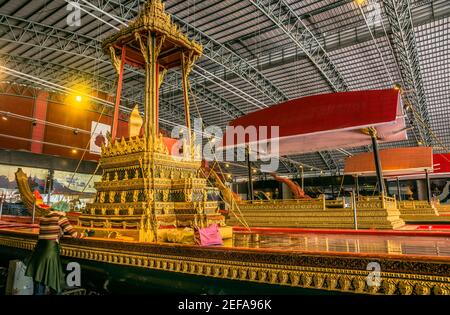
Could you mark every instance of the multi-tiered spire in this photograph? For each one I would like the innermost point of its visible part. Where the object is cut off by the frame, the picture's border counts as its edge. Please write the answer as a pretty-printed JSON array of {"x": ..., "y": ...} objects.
[{"x": 143, "y": 186}]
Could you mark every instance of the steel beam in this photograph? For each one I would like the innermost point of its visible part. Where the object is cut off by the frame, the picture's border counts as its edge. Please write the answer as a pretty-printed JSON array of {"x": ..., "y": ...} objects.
[
  {"x": 329, "y": 161},
  {"x": 212, "y": 50},
  {"x": 290, "y": 23},
  {"x": 46, "y": 37},
  {"x": 404, "y": 43}
]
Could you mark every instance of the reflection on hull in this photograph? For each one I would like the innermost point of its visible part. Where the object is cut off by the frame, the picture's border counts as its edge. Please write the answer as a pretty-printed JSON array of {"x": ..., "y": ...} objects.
[{"x": 426, "y": 245}]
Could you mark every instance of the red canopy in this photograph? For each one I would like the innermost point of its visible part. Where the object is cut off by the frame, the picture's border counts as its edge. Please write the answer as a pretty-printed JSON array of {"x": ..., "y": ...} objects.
[{"x": 325, "y": 122}]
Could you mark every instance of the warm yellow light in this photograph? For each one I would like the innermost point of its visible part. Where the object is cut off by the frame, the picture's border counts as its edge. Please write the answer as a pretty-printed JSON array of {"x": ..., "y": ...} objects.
[
  {"x": 78, "y": 98},
  {"x": 4, "y": 118},
  {"x": 397, "y": 87},
  {"x": 227, "y": 165},
  {"x": 360, "y": 2},
  {"x": 74, "y": 151},
  {"x": 254, "y": 171}
]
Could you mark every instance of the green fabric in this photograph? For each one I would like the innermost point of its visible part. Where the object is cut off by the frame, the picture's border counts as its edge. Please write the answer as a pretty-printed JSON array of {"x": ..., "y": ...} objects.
[
  {"x": 61, "y": 206},
  {"x": 45, "y": 266}
]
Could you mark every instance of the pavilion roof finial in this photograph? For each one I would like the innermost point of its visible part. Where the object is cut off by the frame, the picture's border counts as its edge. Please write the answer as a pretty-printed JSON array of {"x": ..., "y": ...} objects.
[{"x": 154, "y": 18}]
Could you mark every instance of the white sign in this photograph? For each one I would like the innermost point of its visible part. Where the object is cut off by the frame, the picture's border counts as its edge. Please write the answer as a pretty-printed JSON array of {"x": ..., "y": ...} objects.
[
  {"x": 74, "y": 17},
  {"x": 98, "y": 136}
]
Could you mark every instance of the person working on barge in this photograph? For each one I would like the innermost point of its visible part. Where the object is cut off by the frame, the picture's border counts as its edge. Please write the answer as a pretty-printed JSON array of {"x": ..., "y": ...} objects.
[{"x": 44, "y": 265}]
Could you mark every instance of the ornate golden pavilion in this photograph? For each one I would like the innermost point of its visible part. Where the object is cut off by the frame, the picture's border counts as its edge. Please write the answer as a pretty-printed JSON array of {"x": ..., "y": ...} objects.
[{"x": 144, "y": 188}]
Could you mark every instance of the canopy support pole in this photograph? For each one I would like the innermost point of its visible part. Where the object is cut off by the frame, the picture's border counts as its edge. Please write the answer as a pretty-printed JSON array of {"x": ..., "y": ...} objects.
[
  {"x": 399, "y": 192},
  {"x": 373, "y": 136},
  {"x": 250, "y": 180},
  {"x": 357, "y": 185},
  {"x": 427, "y": 179},
  {"x": 120, "y": 64}
]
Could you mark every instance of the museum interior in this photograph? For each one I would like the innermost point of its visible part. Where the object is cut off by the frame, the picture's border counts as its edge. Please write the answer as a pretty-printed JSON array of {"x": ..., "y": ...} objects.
[{"x": 225, "y": 147}]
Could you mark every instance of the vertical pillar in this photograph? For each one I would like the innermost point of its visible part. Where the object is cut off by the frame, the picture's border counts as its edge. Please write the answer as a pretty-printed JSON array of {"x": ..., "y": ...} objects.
[
  {"x": 186, "y": 63},
  {"x": 150, "y": 52},
  {"x": 250, "y": 180},
  {"x": 49, "y": 184},
  {"x": 355, "y": 216},
  {"x": 357, "y": 185},
  {"x": 157, "y": 100},
  {"x": 303, "y": 178},
  {"x": 399, "y": 191},
  {"x": 40, "y": 113},
  {"x": 376, "y": 156},
  {"x": 155, "y": 87},
  {"x": 118, "y": 94},
  {"x": 427, "y": 178}
]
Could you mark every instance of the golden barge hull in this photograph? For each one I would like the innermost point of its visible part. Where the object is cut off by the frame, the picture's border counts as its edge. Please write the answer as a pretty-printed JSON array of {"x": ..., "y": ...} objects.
[{"x": 171, "y": 268}]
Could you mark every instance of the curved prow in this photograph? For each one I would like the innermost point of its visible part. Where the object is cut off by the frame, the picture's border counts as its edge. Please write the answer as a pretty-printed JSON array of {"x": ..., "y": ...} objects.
[
  {"x": 445, "y": 192},
  {"x": 297, "y": 191},
  {"x": 228, "y": 195},
  {"x": 27, "y": 196}
]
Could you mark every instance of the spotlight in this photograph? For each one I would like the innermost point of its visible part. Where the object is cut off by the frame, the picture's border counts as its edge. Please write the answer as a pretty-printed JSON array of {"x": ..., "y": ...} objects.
[
  {"x": 74, "y": 151},
  {"x": 5, "y": 116},
  {"x": 75, "y": 131},
  {"x": 227, "y": 165},
  {"x": 78, "y": 98},
  {"x": 254, "y": 170}
]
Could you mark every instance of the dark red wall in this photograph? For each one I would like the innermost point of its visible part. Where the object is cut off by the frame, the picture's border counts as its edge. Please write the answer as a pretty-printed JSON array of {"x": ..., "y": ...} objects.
[
  {"x": 16, "y": 127},
  {"x": 63, "y": 113}
]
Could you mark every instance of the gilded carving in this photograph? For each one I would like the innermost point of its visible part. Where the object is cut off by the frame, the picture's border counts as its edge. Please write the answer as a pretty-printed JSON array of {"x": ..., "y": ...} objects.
[
  {"x": 389, "y": 287},
  {"x": 406, "y": 288}
]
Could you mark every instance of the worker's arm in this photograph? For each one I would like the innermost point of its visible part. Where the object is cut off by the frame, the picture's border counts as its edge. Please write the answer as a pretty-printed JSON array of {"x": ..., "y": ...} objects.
[{"x": 68, "y": 228}]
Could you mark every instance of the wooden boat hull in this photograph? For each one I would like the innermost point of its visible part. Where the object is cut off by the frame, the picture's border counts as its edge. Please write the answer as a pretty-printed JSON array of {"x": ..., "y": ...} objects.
[{"x": 144, "y": 267}]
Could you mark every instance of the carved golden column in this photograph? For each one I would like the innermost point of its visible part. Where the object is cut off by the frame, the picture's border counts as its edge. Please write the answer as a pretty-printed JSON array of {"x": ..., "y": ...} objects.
[
  {"x": 150, "y": 49},
  {"x": 187, "y": 63}
]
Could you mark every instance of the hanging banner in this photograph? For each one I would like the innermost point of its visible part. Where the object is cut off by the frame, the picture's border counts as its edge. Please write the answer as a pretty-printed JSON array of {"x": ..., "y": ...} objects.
[{"x": 98, "y": 136}]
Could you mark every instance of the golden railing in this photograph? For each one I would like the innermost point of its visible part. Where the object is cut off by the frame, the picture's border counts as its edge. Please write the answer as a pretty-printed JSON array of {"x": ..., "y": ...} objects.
[
  {"x": 277, "y": 201},
  {"x": 415, "y": 204},
  {"x": 339, "y": 203}
]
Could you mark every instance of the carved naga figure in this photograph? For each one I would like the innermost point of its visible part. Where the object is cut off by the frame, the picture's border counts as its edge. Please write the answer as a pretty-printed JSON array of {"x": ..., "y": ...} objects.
[
  {"x": 297, "y": 191},
  {"x": 228, "y": 195}
]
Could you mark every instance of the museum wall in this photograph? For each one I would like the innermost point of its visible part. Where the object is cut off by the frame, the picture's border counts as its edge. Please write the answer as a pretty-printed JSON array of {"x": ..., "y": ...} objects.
[{"x": 70, "y": 142}]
